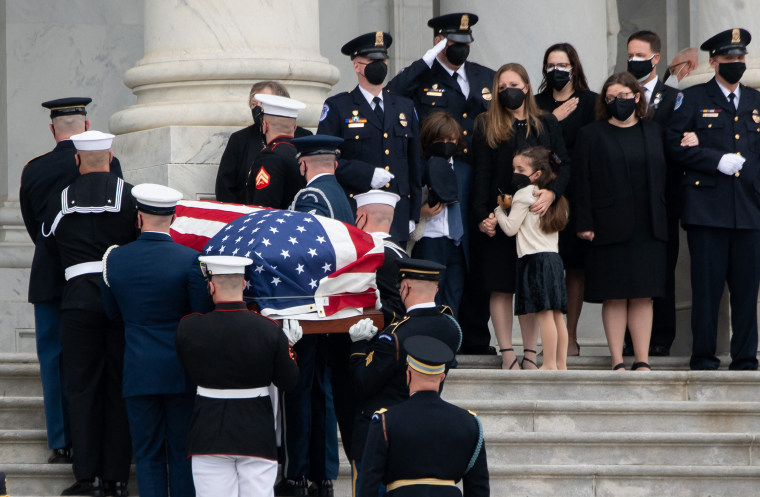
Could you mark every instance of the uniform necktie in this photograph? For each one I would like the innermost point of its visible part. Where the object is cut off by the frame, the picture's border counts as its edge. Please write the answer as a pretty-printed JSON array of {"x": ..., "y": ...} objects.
[
  {"x": 731, "y": 97},
  {"x": 379, "y": 110}
]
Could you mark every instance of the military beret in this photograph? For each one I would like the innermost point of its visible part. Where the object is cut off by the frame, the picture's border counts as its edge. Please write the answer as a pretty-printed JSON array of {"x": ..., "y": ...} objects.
[
  {"x": 427, "y": 355},
  {"x": 441, "y": 182},
  {"x": 419, "y": 269},
  {"x": 729, "y": 42},
  {"x": 455, "y": 27},
  {"x": 371, "y": 45},
  {"x": 67, "y": 106}
]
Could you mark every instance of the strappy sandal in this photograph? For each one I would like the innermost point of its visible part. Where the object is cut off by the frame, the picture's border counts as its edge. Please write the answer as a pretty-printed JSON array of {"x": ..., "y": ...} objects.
[
  {"x": 511, "y": 366},
  {"x": 638, "y": 365},
  {"x": 522, "y": 363},
  {"x": 619, "y": 365}
]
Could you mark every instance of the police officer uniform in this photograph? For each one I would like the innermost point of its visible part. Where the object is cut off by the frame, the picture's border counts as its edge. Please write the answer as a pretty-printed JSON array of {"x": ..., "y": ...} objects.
[
  {"x": 424, "y": 445},
  {"x": 323, "y": 194},
  {"x": 386, "y": 139},
  {"x": 378, "y": 366},
  {"x": 434, "y": 87},
  {"x": 386, "y": 276},
  {"x": 233, "y": 355},
  {"x": 93, "y": 213},
  {"x": 151, "y": 284},
  {"x": 273, "y": 179},
  {"x": 721, "y": 207},
  {"x": 50, "y": 172}
]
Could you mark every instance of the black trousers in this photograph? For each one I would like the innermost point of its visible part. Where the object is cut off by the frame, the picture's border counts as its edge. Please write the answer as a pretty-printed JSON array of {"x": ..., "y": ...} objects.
[
  {"x": 720, "y": 255},
  {"x": 664, "y": 309},
  {"x": 474, "y": 310},
  {"x": 93, "y": 357}
]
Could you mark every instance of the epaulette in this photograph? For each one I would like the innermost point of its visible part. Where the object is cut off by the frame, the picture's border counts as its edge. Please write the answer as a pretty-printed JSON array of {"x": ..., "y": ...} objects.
[
  {"x": 446, "y": 309},
  {"x": 473, "y": 413},
  {"x": 30, "y": 161},
  {"x": 105, "y": 264}
]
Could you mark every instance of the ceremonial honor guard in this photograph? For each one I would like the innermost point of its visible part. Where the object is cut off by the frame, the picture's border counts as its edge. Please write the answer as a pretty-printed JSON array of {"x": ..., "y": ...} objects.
[
  {"x": 374, "y": 214},
  {"x": 273, "y": 179},
  {"x": 151, "y": 284},
  {"x": 381, "y": 133},
  {"x": 424, "y": 446},
  {"x": 323, "y": 195},
  {"x": 234, "y": 355},
  {"x": 378, "y": 364},
  {"x": 721, "y": 211},
  {"x": 52, "y": 172},
  {"x": 93, "y": 213}
]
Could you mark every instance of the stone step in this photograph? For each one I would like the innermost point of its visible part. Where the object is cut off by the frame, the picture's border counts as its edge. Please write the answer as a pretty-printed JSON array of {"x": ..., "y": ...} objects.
[
  {"x": 666, "y": 449},
  {"x": 558, "y": 416},
  {"x": 599, "y": 362},
  {"x": 22, "y": 413},
  {"x": 696, "y": 386},
  {"x": 623, "y": 481},
  {"x": 23, "y": 446},
  {"x": 20, "y": 379}
]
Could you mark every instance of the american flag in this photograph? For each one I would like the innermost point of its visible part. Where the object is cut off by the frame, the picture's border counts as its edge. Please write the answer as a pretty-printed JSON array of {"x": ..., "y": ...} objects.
[{"x": 304, "y": 266}]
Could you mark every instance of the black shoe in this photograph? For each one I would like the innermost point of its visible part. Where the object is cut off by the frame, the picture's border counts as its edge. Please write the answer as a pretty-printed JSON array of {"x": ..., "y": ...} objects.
[
  {"x": 659, "y": 351},
  {"x": 93, "y": 488},
  {"x": 323, "y": 488},
  {"x": 116, "y": 489},
  {"x": 287, "y": 487},
  {"x": 60, "y": 456},
  {"x": 627, "y": 350}
]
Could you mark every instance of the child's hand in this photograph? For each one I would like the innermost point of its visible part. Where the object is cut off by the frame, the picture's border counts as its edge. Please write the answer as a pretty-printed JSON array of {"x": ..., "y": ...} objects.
[{"x": 504, "y": 201}]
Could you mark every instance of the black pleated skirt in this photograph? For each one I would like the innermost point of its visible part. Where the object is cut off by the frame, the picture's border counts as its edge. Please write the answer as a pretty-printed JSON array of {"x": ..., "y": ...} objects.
[{"x": 540, "y": 284}]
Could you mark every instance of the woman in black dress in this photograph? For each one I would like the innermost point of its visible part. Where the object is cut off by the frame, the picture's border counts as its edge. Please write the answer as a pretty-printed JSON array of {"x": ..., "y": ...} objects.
[
  {"x": 510, "y": 124},
  {"x": 564, "y": 92},
  {"x": 620, "y": 208}
]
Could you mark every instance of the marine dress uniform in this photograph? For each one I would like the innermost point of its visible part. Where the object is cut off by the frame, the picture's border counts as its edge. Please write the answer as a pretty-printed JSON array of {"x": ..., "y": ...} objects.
[
  {"x": 95, "y": 212},
  {"x": 424, "y": 445},
  {"x": 151, "y": 284},
  {"x": 382, "y": 135},
  {"x": 234, "y": 354},
  {"x": 721, "y": 206},
  {"x": 378, "y": 366},
  {"x": 50, "y": 172}
]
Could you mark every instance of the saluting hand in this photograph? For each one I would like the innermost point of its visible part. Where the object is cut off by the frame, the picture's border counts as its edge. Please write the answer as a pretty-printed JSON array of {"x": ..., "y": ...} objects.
[{"x": 566, "y": 108}]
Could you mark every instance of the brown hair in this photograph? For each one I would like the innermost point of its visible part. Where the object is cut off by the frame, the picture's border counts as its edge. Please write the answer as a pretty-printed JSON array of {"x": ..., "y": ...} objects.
[
  {"x": 577, "y": 76},
  {"x": 496, "y": 122},
  {"x": 276, "y": 87},
  {"x": 437, "y": 126},
  {"x": 628, "y": 80},
  {"x": 555, "y": 218},
  {"x": 655, "y": 44}
]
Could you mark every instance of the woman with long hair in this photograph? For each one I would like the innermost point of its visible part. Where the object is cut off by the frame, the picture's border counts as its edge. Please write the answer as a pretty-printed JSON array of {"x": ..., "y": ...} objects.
[{"x": 513, "y": 122}]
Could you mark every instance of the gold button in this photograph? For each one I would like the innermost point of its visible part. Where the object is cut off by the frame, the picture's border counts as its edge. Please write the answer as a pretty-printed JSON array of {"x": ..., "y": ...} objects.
[
  {"x": 465, "y": 132},
  {"x": 738, "y": 153},
  {"x": 405, "y": 135},
  {"x": 351, "y": 195},
  {"x": 409, "y": 196},
  {"x": 736, "y": 136},
  {"x": 696, "y": 182},
  {"x": 387, "y": 168},
  {"x": 709, "y": 125},
  {"x": 387, "y": 152},
  {"x": 356, "y": 137},
  {"x": 387, "y": 185},
  {"x": 385, "y": 135},
  {"x": 736, "y": 174},
  {"x": 465, "y": 150},
  {"x": 433, "y": 104},
  {"x": 736, "y": 118},
  {"x": 464, "y": 115}
]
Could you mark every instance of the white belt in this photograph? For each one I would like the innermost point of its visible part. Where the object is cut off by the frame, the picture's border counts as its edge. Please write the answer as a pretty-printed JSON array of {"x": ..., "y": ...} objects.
[
  {"x": 233, "y": 393},
  {"x": 84, "y": 268}
]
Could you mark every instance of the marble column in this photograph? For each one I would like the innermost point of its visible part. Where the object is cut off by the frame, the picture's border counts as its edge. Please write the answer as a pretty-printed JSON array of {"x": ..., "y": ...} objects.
[{"x": 192, "y": 83}]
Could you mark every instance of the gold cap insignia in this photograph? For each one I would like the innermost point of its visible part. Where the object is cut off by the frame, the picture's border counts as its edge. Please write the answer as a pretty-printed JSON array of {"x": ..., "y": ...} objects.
[
  {"x": 355, "y": 112},
  {"x": 379, "y": 39},
  {"x": 402, "y": 116},
  {"x": 465, "y": 23},
  {"x": 736, "y": 36}
]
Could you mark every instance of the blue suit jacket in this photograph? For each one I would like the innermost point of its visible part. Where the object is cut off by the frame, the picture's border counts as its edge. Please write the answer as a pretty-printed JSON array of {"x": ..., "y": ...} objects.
[
  {"x": 324, "y": 196},
  {"x": 152, "y": 283}
]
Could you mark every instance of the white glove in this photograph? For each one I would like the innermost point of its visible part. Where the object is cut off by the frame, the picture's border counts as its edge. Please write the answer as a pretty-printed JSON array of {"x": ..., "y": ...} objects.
[
  {"x": 431, "y": 54},
  {"x": 412, "y": 226},
  {"x": 380, "y": 177},
  {"x": 378, "y": 302},
  {"x": 730, "y": 164},
  {"x": 292, "y": 330},
  {"x": 363, "y": 330}
]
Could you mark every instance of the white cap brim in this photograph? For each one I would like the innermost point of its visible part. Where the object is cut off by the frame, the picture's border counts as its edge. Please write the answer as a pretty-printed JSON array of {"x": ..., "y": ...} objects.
[
  {"x": 92, "y": 140},
  {"x": 377, "y": 197},
  {"x": 275, "y": 105},
  {"x": 225, "y": 264}
]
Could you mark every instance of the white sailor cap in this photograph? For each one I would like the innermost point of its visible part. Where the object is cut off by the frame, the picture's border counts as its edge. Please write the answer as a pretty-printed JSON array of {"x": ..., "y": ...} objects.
[
  {"x": 376, "y": 197},
  {"x": 216, "y": 265},
  {"x": 156, "y": 199},
  {"x": 92, "y": 140},
  {"x": 275, "y": 105}
]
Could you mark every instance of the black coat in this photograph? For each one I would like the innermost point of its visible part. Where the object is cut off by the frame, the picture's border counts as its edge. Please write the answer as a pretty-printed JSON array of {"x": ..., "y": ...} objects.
[
  {"x": 433, "y": 89},
  {"x": 234, "y": 348},
  {"x": 661, "y": 106},
  {"x": 387, "y": 282},
  {"x": 393, "y": 145},
  {"x": 274, "y": 178},
  {"x": 425, "y": 437},
  {"x": 711, "y": 198},
  {"x": 604, "y": 197},
  {"x": 46, "y": 174}
]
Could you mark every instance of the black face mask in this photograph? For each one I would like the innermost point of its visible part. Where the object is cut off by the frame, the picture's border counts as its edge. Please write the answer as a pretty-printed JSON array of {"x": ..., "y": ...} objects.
[
  {"x": 457, "y": 53},
  {"x": 519, "y": 181},
  {"x": 640, "y": 68},
  {"x": 258, "y": 117},
  {"x": 443, "y": 149},
  {"x": 375, "y": 72},
  {"x": 511, "y": 98},
  {"x": 732, "y": 72},
  {"x": 622, "y": 108},
  {"x": 557, "y": 79}
]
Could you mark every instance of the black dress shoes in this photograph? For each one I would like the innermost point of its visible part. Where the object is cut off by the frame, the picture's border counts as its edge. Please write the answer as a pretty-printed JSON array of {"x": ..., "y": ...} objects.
[
  {"x": 298, "y": 487},
  {"x": 659, "y": 351},
  {"x": 60, "y": 456},
  {"x": 323, "y": 488},
  {"x": 116, "y": 489},
  {"x": 93, "y": 488}
]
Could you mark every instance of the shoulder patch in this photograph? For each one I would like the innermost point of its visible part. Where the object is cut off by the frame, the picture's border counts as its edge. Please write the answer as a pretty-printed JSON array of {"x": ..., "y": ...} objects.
[
  {"x": 325, "y": 111},
  {"x": 679, "y": 100},
  {"x": 262, "y": 179},
  {"x": 386, "y": 337},
  {"x": 369, "y": 358}
]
